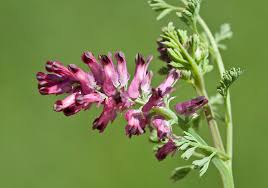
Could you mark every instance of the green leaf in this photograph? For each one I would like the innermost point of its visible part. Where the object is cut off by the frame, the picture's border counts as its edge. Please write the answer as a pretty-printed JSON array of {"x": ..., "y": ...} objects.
[
  {"x": 162, "y": 7},
  {"x": 181, "y": 172},
  {"x": 203, "y": 164},
  {"x": 185, "y": 146},
  {"x": 163, "y": 14},
  {"x": 188, "y": 153},
  {"x": 190, "y": 12},
  {"x": 228, "y": 78},
  {"x": 224, "y": 34}
]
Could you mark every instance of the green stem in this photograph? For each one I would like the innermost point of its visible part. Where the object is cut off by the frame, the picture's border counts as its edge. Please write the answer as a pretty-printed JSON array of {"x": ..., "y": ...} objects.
[
  {"x": 210, "y": 116},
  {"x": 226, "y": 174},
  {"x": 229, "y": 122},
  {"x": 200, "y": 86},
  {"x": 211, "y": 150},
  {"x": 225, "y": 170}
]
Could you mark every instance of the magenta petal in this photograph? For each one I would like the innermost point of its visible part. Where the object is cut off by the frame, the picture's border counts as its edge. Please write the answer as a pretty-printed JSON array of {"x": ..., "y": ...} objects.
[
  {"x": 62, "y": 87},
  {"x": 140, "y": 74},
  {"x": 62, "y": 104},
  {"x": 190, "y": 107},
  {"x": 146, "y": 83},
  {"x": 154, "y": 100},
  {"x": 71, "y": 110},
  {"x": 90, "y": 98},
  {"x": 171, "y": 79},
  {"x": 111, "y": 76},
  {"x": 58, "y": 68},
  {"x": 162, "y": 126},
  {"x": 122, "y": 69},
  {"x": 86, "y": 80},
  {"x": 96, "y": 69},
  {"x": 165, "y": 150},
  {"x": 108, "y": 115},
  {"x": 136, "y": 123}
]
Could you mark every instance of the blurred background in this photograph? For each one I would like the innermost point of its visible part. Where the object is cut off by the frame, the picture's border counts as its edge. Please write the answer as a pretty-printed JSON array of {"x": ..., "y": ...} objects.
[{"x": 41, "y": 148}]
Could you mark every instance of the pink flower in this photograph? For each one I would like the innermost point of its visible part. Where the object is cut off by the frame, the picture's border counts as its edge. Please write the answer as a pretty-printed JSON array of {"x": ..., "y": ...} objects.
[
  {"x": 169, "y": 148},
  {"x": 136, "y": 122},
  {"x": 139, "y": 76},
  {"x": 190, "y": 107},
  {"x": 105, "y": 85},
  {"x": 108, "y": 115},
  {"x": 162, "y": 126},
  {"x": 163, "y": 89}
]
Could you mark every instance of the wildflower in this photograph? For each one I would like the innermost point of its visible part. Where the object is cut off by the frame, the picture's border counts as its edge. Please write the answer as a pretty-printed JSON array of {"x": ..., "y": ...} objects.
[
  {"x": 106, "y": 85},
  {"x": 162, "y": 126},
  {"x": 163, "y": 89},
  {"x": 169, "y": 148},
  {"x": 136, "y": 122},
  {"x": 190, "y": 107},
  {"x": 162, "y": 49}
]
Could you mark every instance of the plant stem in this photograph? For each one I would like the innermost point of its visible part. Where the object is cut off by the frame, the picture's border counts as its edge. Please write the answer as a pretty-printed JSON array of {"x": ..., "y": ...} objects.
[
  {"x": 227, "y": 101},
  {"x": 213, "y": 44},
  {"x": 200, "y": 87},
  {"x": 229, "y": 122},
  {"x": 225, "y": 170},
  {"x": 209, "y": 114}
]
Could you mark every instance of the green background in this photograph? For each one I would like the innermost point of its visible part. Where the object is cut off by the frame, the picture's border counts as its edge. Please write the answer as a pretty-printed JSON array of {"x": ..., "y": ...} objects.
[{"x": 44, "y": 149}]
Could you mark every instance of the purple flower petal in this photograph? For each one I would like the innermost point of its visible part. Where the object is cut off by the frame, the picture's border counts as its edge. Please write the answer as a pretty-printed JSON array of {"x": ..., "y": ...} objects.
[
  {"x": 96, "y": 69},
  {"x": 146, "y": 83},
  {"x": 165, "y": 150},
  {"x": 136, "y": 123},
  {"x": 60, "y": 105},
  {"x": 111, "y": 76},
  {"x": 190, "y": 107},
  {"x": 162, "y": 126},
  {"x": 108, "y": 115},
  {"x": 122, "y": 69},
  {"x": 87, "y": 81},
  {"x": 153, "y": 101},
  {"x": 140, "y": 74},
  {"x": 58, "y": 68},
  {"x": 168, "y": 83}
]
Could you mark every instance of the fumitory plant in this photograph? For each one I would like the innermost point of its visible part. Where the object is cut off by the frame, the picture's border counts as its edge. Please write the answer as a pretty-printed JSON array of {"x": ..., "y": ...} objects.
[{"x": 188, "y": 55}]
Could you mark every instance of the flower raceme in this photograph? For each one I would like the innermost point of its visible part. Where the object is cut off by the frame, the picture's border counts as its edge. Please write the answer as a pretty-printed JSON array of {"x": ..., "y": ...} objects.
[{"x": 107, "y": 85}]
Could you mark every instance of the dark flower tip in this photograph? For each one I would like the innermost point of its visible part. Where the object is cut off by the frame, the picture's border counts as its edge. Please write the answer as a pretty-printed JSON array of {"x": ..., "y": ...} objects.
[
  {"x": 44, "y": 91},
  {"x": 120, "y": 57},
  {"x": 139, "y": 59},
  {"x": 165, "y": 150},
  {"x": 88, "y": 57},
  {"x": 73, "y": 68},
  {"x": 105, "y": 59},
  {"x": 40, "y": 76}
]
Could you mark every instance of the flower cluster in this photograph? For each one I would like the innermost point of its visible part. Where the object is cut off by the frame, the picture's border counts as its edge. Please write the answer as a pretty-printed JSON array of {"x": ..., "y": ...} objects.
[{"x": 107, "y": 85}]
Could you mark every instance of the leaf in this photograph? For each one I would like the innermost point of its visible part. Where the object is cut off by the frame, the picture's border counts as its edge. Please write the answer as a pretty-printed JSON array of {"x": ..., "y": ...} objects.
[
  {"x": 228, "y": 78},
  {"x": 203, "y": 164},
  {"x": 188, "y": 153},
  {"x": 185, "y": 146},
  {"x": 190, "y": 13},
  {"x": 181, "y": 172},
  {"x": 163, "y": 14},
  {"x": 224, "y": 34},
  {"x": 190, "y": 137}
]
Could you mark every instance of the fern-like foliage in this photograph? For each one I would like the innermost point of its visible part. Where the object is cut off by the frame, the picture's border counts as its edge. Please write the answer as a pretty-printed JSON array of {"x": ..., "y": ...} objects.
[{"x": 228, "y": 78}]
